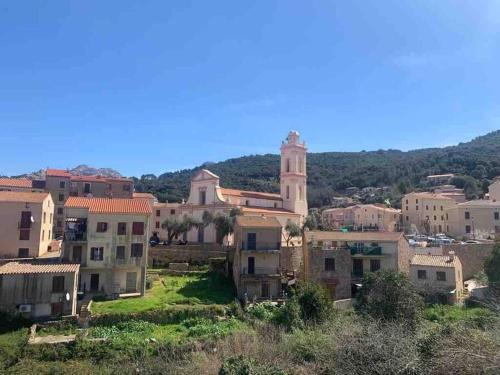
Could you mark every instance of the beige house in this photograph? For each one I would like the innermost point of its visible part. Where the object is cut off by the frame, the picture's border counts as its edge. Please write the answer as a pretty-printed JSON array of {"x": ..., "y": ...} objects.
[
  {"x": 339, "y": 260},
  {"x": 452, "y": 192},
  {"x": 494, "y": 190},
  {"x": 438, "y": 275},
  {"x": 478, "y": 219},
  {"x": 440, "y": 179},
  {"x": 161, "y": 212},
  {"x": 425, "y": 212},
  {"x": 109, "y": 238},
  {"x": 39, "y": 290},
  {"x": 62, "y": 184},
  {"x": 363, "y": 217},
  {"x": 378, "y": 217},
  {"x": 257, "y": 271},
  {"x": 25, "y": 224}
]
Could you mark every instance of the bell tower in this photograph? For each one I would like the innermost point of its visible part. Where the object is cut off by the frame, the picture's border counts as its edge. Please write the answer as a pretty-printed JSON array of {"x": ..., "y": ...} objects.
[{"x": 293, "y": 178}]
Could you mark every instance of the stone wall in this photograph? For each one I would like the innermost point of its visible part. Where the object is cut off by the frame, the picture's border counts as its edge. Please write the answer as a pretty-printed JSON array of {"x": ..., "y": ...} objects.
[
  {"x": 472, "y": 256},
  {"x": 292, "y": 259},
  {"x": 163, "y": 255}
]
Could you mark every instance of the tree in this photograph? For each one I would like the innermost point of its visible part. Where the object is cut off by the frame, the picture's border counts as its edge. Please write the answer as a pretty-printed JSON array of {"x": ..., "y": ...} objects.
[
  {"x": 310, "y": 223},
  {"x": 175, "y": 226},
  {"x": 492, "y": 267},
  {"x": 390, "y": 296},
  {"x": 224, "y": 225},
  {"x": 292, "y": 230}
]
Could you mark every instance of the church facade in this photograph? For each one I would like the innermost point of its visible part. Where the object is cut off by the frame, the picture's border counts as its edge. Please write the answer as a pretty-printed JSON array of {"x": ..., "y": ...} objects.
[{"x": 206, "y": 194}]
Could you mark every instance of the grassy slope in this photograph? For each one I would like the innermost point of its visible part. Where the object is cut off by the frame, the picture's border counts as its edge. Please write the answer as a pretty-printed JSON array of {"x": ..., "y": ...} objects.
[{"x": 197, "y": 289}]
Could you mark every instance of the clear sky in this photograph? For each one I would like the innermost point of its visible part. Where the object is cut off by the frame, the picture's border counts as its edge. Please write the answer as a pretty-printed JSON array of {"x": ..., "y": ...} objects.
[{"x": 155, "y": 86}]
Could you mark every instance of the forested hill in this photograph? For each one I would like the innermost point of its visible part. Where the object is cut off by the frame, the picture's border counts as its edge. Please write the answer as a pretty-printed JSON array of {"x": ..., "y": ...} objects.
[{"x": 331, "y": 172}]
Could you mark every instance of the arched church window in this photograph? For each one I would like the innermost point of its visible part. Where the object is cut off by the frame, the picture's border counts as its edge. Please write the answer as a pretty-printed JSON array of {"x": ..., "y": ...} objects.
[
  {"x": 288, "y": 165},
  {"x": 287, "y": 192}
]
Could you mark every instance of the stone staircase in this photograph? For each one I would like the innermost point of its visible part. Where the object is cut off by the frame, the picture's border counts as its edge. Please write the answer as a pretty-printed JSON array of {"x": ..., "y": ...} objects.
[{"x": 84, "y": 315}]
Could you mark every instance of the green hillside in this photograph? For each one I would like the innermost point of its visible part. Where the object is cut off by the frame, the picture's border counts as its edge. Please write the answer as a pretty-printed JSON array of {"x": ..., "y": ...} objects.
[{"x": 331, "y": 172}]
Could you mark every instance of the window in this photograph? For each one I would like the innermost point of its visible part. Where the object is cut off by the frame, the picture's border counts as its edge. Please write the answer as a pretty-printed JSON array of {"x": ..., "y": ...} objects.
[
  {"x": 86, "y": 188},
  {"x": 126, "y": 187},
  {"x": 62, "y": 184},
  {"x": 435, "y": 217},
  {"x": 44, "y": 217},
  {"x": 416, "y": 201},
  {"x": 59, "y": 223},
  {"x": 496, "y": 215},
  {"x": 50, "y": 234},
  {"x": 58, "y": 284},
  {"x": 23, "y": 253},
  {"x": 43, "y": 235},
  {"x": 441, "y": 276},
  {"x": 301, "y": 193},
  {"x": 120, "y": 252},
  {"x": 25, "y": 220},
  {"x": 158, "y": 212},
  {"x": 416, "y": 208},
  {"x": 138, "y": 228},
  {"x": 329, "y": 264},
  {"x": 275, "y": 205},
  {"x": 301, "y": 165},
  {"x": 467, "y": 215},
  {"x": 122, "y": 229},
  {"x": 136, "y": 250},
  {"x": 426, "y": 207},
  {"x": 467, "y": 229},
  {"x": 441, "y": 208},
  {"x": 407, "y": 201},
  {"x": 288, "y": 192},
  {"x": 157, "y": 225},
  {"x": 407, "y": 209},
  {"x": 97, "y": 253},
  {"x": 247, "y": 203},
  {"x": 422, "y": 274},
  {"x": 203, "y": 197},
  {"x": 50, "y": 220},
  {"x": 288, "y": 165},
  {"x": 407, "y": 218},
  {"x": 60, "y": 210},
  {"x": 61, "y": 197},
  {"x": 434, "y": 208},
  {"x": 102, "y": 227},
  {"x": 374, "y": 265},
  {"x": 24, "y": 235},
  {"x": 446, "y": 216},
  {"x": 172, "y": 212}
]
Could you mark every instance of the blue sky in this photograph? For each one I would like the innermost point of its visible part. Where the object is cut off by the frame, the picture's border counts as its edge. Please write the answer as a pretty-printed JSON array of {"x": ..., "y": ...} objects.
[{"x": 155, "y": 86}]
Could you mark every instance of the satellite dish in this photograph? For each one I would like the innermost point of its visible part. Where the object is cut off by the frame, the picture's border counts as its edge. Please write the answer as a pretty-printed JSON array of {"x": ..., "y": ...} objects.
[{"x": 68, "y": 297}]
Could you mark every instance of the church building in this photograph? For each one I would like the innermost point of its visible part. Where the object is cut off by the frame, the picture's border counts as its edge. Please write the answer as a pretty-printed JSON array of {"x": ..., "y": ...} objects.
[{"x": 206, "y": 194}]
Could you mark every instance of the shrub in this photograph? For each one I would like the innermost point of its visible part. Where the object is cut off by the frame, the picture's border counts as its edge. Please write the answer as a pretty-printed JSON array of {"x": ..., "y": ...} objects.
[
  {"x": 390, "y": 296},
  {"x": 314, "y": 303},
  {"x": 265, "y": 311},
  {"x": 12, "y": 322},
  {"x": 247, "y": 366},
  {"x": 288, "y": 316}
]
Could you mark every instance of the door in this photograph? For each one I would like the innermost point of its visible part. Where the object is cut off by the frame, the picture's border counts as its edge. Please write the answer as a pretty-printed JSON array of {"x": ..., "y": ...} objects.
[
  {"x": 131, "y": 286},
  {"x": 251, "y": 241},
  {"x": 77, "y": 254},
  {"x": 94, "y": 282},
  {"x": 56, "y": 309},
  {"x": 251, "y": 265},
  {"x": 201, "y": 235},
  {"x": 357, "y": 267},
  {"x": 265, "y": 290}
]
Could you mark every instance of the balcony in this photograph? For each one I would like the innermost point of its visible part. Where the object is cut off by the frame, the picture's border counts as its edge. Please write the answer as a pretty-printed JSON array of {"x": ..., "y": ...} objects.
[
  {"x": 261, "y": 271},
  {"x": 366, "y": 250},
  {"x": 260, "y": 246},
  {"x": 75, "y": 230}
]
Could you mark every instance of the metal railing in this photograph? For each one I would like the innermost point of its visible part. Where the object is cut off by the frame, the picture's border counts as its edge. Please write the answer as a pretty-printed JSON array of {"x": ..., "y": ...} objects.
[
  {"x": 366, "y": 250},
  {"x": 75, "y": 235},
  {"x": 260, "y": 245},
  {"x": 262, "y": 271}
]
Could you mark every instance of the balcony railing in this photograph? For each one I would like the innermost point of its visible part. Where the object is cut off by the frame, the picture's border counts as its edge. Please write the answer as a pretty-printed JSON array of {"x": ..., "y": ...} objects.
[
  {"x": 24, "y": 225},
  {"x": 262, "y": 271},
  {"x": 260, "y": 246},
  {"x": 75, "y": 235},
  {"x": 366, "y": 250}
]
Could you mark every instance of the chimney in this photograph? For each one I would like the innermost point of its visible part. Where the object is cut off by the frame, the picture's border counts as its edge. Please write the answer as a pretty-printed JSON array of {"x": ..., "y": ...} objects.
[{"x": 452, "y": 255}]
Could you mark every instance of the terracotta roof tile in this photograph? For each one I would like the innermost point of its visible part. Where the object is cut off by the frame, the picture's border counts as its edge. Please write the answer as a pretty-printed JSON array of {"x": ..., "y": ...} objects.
[
  {"x": 427, "y": 195},
  {"x": 57, "y": 173},
  {"x": 15, "y": 268},
  {"x": 266, "y": 210},
  {"x": 258, "y": 222},
  {"x": 434, "y": 261},
  {"x": 143, "y": 196},
  {"x": 250, "y": 194},
  {"x": 111, "y": 206},
  {"x": 16, "y": 182},
  {"x": 23, "y": 196}
]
